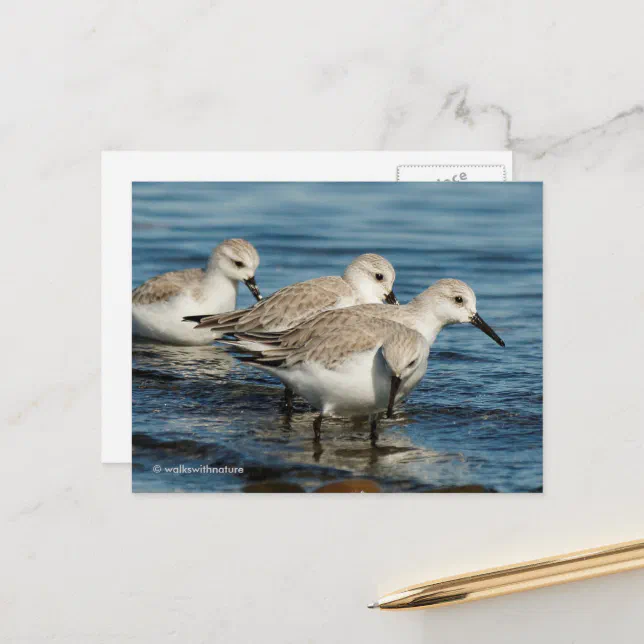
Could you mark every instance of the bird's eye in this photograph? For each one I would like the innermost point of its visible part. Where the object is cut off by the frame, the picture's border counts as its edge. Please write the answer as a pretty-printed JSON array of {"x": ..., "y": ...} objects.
[
  {"x": 412, "y": 363},
  {"x": 380, "y": 277},
  {"x": 239, "y": 264},
  {"x": 458, "y": 299}
]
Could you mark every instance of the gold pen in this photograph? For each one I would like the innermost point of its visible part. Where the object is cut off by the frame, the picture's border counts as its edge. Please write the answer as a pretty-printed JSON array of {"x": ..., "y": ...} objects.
[{"x": 529, "y": 575}]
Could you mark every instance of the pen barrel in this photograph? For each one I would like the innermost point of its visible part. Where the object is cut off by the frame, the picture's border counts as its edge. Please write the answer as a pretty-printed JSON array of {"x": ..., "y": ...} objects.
[{"x": 530, "y": 575}]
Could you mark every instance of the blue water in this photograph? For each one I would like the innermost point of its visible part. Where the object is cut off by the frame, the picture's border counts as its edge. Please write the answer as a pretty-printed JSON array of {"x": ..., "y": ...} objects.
[{"x": 474, "y": 420}]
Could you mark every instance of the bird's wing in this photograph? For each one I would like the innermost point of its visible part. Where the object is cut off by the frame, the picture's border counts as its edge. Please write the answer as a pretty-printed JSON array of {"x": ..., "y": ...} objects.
[
  {"x": 163, "y": 287},
  {"x": 327, "y": 320},
  {"x": 284, "y": 309},
  {"x": 329, "y": 345}
]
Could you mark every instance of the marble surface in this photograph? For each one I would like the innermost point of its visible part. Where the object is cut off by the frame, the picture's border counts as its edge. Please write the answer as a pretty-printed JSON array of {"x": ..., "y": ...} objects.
[{"x": 558, "y": 83}]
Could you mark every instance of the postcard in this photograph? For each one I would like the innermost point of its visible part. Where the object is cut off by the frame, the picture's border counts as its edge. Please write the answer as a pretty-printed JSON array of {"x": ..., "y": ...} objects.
[
  {"x": 330, "y": 336},
  {"x": 121, "y": 169}
]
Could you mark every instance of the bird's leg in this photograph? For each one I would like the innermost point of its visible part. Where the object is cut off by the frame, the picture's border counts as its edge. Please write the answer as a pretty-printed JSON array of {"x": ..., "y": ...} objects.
[
  {"x": 288, "y": 400},
  {"x": 374, "y": 430},
  {"x": 317, "y": 428},
  {"x": 287, "y": 422}
]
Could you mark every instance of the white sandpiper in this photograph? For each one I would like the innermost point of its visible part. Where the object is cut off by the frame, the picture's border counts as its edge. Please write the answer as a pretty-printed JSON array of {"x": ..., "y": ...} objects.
[
  {"x": 160, "y": 304},
  {"x": 359, "y": 371},
  {"x": 367, "y": 279},
  {"x": 445, "y": 302}
]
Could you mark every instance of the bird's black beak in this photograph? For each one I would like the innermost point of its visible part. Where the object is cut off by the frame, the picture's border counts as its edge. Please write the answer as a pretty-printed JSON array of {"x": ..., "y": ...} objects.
[
  {"x": 253, "y": 288},
  {"x": 480, "y": 323},
  {"x": 395, "y": 385},
  {"x": 390, "y": 298}
]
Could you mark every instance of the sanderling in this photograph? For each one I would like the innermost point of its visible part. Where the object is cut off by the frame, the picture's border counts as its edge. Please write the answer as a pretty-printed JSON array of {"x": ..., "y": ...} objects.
[
  {"x": 361, "y": 369},
  {"x": 159, "y": 304},
  {"x": 368, "y": 279},
  {"x": 445, "y": 302}
]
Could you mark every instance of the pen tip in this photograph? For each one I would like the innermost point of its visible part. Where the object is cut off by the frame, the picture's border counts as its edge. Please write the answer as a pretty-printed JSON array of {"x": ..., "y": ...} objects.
[{"x": 374, "y": 605}]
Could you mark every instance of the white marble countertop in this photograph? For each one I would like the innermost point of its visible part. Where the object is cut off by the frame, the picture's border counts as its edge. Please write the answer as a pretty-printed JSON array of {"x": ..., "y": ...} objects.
[{"x": 559, "y": 83}]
